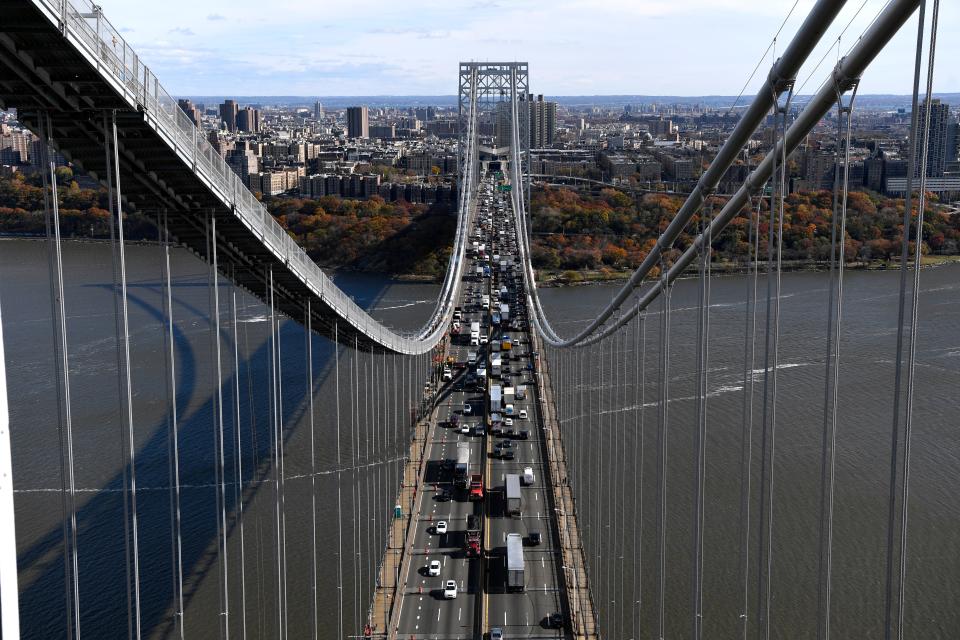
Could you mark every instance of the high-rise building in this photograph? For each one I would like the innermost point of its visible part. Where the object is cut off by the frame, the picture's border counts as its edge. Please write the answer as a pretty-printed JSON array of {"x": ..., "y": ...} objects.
[
  {"x": 248, "y": 119},
  {"x": 358, "y": 122},
  {"x": 228, "y": 114},
  {"x": 542, "y": 121},
  {"x": 937, "y": 145},
  {"x": 427, "y": 114},
  {"x": 191, "y": 110},
  {"x": 318, "y": 110},
  {"x": 243, "y": 162}
]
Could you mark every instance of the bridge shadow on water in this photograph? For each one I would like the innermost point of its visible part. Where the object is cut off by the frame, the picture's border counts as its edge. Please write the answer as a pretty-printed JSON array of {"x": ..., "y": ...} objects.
[{"x": 102, "y": 566}]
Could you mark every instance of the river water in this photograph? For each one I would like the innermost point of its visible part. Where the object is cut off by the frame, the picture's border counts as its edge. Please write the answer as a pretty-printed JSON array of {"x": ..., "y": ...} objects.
[
  {"x": 371, "y": 443},
  {"x": 618, "y": 502}
]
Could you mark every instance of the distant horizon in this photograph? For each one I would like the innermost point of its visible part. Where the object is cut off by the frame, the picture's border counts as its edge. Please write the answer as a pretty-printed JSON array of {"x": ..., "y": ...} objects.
[{"x": 875, "y": 100}]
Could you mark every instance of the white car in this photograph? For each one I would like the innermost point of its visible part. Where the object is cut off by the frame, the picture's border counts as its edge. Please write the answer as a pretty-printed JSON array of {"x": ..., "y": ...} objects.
[
  {"x": 465, "y": 429},
  {"x": 467, "y": 409},
  {"x": 484, "y": 339},
  {"x": 447, "y": 373},
  {"x": 441, "y": 527},
  {"x": 450, "y": 589},
  {"x": 433, "y": 569},
  {"x": 523, "y": 414},
  {"x": 508, "y": 422}
]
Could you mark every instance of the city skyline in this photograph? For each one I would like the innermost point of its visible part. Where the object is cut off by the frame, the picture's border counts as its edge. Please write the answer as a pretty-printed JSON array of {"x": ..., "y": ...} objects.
[{"x": 649, "y": 49}]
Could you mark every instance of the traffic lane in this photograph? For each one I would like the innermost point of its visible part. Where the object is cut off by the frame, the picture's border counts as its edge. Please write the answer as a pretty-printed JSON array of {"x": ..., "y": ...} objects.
[
  {"x": 523, "y": 614},
  {"x": 428, "y": 545}
]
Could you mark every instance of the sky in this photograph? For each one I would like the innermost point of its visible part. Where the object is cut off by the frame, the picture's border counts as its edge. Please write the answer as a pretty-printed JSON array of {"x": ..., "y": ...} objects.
[{"x": 574, "y": 47}]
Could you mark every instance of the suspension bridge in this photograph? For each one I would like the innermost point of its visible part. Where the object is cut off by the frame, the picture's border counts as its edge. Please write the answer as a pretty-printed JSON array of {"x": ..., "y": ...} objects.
[{"x": 276, "y": 460}]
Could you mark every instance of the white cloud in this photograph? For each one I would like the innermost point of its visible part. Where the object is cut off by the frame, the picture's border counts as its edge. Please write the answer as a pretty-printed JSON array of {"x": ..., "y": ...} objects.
[{"x": 667, "y": 47}]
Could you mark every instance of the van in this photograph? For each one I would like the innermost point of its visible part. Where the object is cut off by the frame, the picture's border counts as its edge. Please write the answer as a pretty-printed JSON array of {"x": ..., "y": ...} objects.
[{"x": 528, "y": 477}]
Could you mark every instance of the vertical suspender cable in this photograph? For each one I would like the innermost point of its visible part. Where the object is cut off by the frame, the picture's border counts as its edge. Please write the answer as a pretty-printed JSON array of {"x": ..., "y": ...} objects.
[
  {"x": 781, "y": 195},
  {"x": 764, "y": 485},
  {"x": 308, "y": 389},
  {"x": 336, "y": 361},
  {"x": 238, "y": 490},
  {"x": 9, "y": 589},
  {"x": 832, "y": 377},
  {"x": 256, "y": 476},
  {"x": 357, "y": 515},
  {"x": 662, "y": 448},
  {"x": 364, "y": 428},
  {"x": 914, "y": 318},
  {"x": 62, "y": 366},
  {"x": 218, "y": 424},
  {"x": 901, "y": 317},
  {"x": 640, "y": 337},
  {"x": 746, "y": 438},
  {"x": 622, "y": 536},
  {"x": 126, "y": 386},
  {"x": 281, "y": 452},
  {"x": 703, "y": 339},
  {"x": 173, "y": 427},
  {"x": 275, "y": 428}
]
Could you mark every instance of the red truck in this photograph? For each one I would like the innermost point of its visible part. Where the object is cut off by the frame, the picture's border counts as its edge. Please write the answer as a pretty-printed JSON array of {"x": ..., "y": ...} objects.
[
  {"x": 473, "y": 536},
  {"x": 476, "y": 487}
]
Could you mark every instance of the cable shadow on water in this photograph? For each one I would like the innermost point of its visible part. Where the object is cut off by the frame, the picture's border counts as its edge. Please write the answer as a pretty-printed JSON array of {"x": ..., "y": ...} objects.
[{"x": 99, "y": 519}]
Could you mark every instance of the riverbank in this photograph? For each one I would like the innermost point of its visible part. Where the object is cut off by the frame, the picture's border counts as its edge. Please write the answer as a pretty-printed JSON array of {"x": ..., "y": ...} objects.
[{"x": 605, "y": 276}]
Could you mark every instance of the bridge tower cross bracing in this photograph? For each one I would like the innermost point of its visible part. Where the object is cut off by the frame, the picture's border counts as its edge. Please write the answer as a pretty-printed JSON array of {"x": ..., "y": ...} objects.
[{"x": 493, "y": 87}]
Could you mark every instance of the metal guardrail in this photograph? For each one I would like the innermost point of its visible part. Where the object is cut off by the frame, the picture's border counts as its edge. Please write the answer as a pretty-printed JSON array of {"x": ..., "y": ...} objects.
[{"x": 84, "y": 24}]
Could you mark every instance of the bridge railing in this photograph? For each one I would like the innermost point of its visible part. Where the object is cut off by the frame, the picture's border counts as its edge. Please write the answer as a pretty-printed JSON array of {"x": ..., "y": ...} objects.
[{"x": 113, "y": 56}]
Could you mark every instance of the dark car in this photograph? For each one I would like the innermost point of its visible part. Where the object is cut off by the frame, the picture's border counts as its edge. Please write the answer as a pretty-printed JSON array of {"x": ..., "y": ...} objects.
[
  {"x": 523, "y": 434},
  {"x": 443, "y": 496},
  {"x": 506, "y": 454},
  {"x": 553, "y": 621},
  {"x": 534, "y": 538},
  {"x": 504, "y": 444}
]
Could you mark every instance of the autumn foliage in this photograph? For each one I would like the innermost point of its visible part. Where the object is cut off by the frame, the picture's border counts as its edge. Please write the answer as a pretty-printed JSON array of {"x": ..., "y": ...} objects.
[{"x": 612, "y": 230}]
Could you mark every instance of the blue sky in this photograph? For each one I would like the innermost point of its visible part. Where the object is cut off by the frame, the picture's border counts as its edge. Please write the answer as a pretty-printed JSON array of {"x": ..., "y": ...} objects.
[{"x": 574, "y": 47}]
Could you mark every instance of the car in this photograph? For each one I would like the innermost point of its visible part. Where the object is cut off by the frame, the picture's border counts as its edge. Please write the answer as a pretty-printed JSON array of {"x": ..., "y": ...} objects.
[
  {"x": 534, "y": 538},
  {"x": 554, "y": 621},
  {"x": 506, "y": 454},
  {"x": 484, "y": 339},
  {"x": 523, "y": 434},
  {"x": 505, "y": 444},
  {"x": 496, "y": 633},
  {"x": 465, "y": 429},
  {"x": 443, "y": 496},
  {"x": 508, "y": 422},
  {"x": 433, "y": 569},
  {"x": 450, "y": 589},
  {"x": 447, "y": 374},
  {"x": 523, "y": 414},
  {"x": 467, "y": 409},
  {"x": 509, "y": 433},
  {"x": 440, "y": 528}
]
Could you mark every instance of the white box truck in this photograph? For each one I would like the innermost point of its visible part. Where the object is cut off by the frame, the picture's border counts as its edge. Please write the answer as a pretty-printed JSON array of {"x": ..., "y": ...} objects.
[
  {"x": 512, "y": 494},
  {"x": 514, "y": 562},
  {"x": 496, "y": 365},
  {"x": 496, "y": 398}
]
